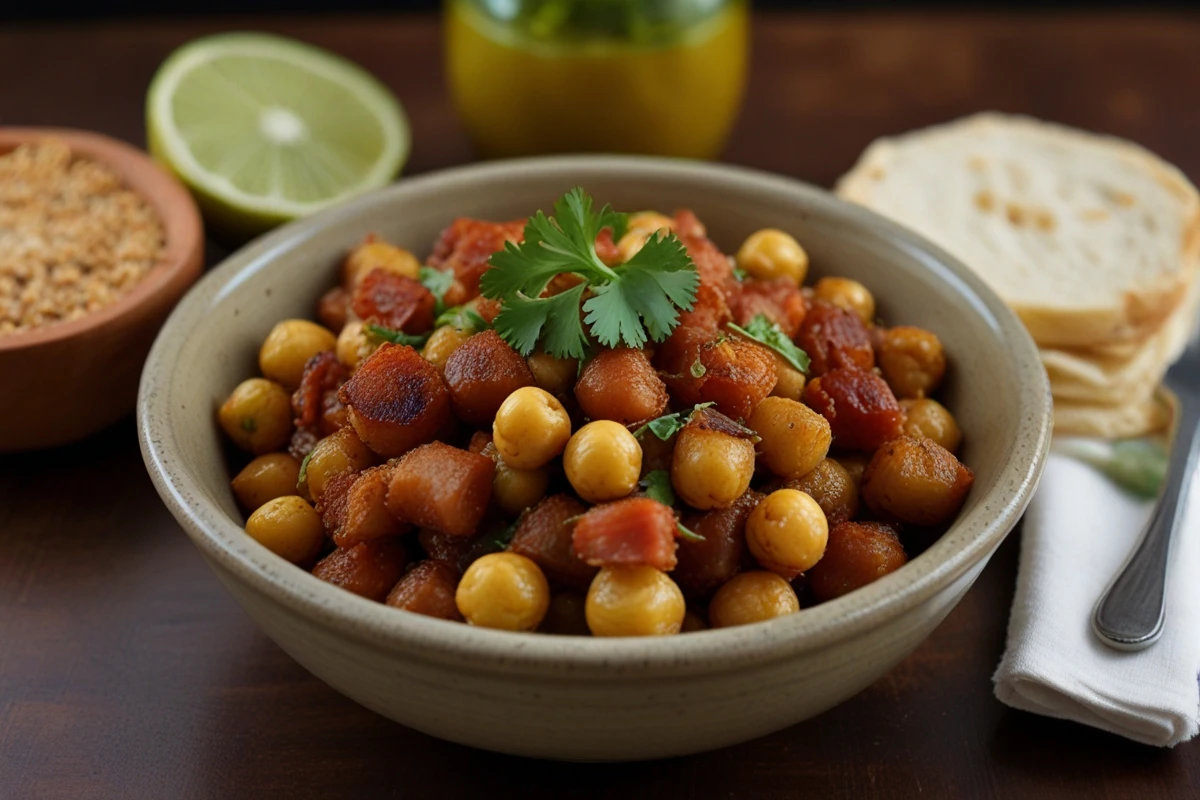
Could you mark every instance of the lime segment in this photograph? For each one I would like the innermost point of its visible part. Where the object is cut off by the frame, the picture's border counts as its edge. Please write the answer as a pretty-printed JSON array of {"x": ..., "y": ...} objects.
[{"x": 265, "y": 129}]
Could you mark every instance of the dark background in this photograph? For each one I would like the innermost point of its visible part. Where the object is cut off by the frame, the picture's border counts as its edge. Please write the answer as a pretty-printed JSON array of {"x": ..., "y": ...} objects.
[{"x": 66, "y": 11}]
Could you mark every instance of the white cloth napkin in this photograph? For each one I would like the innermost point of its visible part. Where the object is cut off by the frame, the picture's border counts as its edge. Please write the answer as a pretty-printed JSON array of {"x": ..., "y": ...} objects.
[{"x": 1078, "y": 531}]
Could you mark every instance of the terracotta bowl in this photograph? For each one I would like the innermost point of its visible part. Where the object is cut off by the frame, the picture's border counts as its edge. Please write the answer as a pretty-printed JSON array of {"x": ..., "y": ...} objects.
[
  {"x": 65, "y": 381},
  {"x": 575, "y": 697}
]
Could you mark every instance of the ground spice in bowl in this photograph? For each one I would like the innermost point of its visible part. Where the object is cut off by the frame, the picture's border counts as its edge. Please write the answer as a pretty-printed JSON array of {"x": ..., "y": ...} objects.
[{"x": 73, "y": 237}]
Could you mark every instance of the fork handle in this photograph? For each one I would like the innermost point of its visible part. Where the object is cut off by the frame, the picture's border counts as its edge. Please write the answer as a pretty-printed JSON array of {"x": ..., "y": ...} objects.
[{"x": 1131, "y": 612}]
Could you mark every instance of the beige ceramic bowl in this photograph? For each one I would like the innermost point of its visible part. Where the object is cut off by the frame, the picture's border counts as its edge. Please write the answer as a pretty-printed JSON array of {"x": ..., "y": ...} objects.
[
  {"x": 581, "y": 698},
  {"x": 65, "y": 381}
]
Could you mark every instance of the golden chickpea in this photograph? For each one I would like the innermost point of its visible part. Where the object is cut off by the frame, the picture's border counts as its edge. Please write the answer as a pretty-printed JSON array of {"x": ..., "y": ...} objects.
[
  {"x": 555, "y": 375},
  {"x": 378, "y": 255},
  {"x": 354, "y": 345},
  {"x": 632, "y": 243},
  {"x": 265, "y": 478},
  {"x": 787, "y": 532},
  {"x": 912, "y": 361},
  {"x": 257, "y": 416},
  {"x": 603, "y": 461},
  {"x": 531, "y": 428},
  {"x": 634, "y": 601},
  {"x": 506, "y": 591},
  {"x": 442, "y": 343},
  {"x": 567, "y": 615},
  {"x": 289, "y": 528},
  {"x": 515, "y": 490},
  {"x": 649, "y": 222},
  {"x": 854, "y": 464},
  {"x": 289, "y": 346},
  {"x": 711, "y": 469},
  {"x": 794, "y": 437},
  {"x": 771, "y": 253},
  {"x": 929, "y": 418},
  {"x": 752, "y": 597},
  {"x": 340, "y": 451},
  {"x": 789, "y": 381},
  {"x": 848, "y": 294}
]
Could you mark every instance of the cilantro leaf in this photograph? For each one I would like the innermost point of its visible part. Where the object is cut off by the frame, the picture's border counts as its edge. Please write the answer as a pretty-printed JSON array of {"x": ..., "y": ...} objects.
[
  {"x": 463, "y": 318},
  {"x": 396, "y": 337},
  {"x": 657, "y": 486},
  {"x": 763, "y": 331},
  {"x": 631, "y": 305},
  {"x": 438, "y": 282},
  {"x": 668, "y": 425}
]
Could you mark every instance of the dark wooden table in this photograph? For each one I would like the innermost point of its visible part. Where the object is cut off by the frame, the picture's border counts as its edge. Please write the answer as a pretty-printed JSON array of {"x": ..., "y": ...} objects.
[{"x": 126, "y": 671}]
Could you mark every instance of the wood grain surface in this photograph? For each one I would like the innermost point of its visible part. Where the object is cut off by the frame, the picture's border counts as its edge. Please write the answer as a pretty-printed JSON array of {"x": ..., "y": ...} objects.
[{"x": 126, "y": 671}]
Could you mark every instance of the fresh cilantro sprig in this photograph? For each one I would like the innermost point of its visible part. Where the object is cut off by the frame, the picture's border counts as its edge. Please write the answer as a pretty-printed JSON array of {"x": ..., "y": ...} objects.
[
  {"x": 396, "y": 337},
  {"x": 438, "y": 282},
  {"x": 631, "y": 304},
  {"x": 668, "y": 425},
  {"x": 657, "y": 486},
  {"x": 764, "y": 331}
]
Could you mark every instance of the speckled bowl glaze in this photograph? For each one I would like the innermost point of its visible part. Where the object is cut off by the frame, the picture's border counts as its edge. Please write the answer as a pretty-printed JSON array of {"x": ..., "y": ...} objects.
[
  {"x": 573, "y": 697},
  {"x": 65, "y": 381}
]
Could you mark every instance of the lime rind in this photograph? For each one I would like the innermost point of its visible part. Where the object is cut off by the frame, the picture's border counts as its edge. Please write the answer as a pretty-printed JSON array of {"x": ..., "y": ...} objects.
[{"x": 341, "y": 172}]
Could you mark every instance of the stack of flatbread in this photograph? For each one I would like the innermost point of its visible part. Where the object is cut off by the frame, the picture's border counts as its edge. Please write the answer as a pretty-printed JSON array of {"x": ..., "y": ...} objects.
[{"x": 1093, "y": 241}]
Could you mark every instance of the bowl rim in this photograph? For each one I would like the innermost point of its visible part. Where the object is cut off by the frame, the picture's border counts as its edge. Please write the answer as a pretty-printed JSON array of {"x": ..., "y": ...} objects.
[
  {"x": 459, "y": 646},
  {"x": 182, "y": 257}
]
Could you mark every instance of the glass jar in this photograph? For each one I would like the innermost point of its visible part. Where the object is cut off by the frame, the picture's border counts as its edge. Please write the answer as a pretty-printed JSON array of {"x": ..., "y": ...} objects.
[{"x": 662, "y": 77}]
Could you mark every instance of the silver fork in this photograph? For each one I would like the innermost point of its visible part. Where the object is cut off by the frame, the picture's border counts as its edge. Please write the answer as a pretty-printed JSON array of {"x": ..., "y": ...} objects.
[{"x": 1131, "y": 612}]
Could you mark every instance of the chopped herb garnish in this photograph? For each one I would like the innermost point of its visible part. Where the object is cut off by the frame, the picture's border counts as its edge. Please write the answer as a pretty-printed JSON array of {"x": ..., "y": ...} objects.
[
  {"x": 248, "y": 424},
  {"x": 668, "y": 425},
  {"x": 438, "y": 282},
  {"x": 397, "y": 337},
  {"x": 657, "y": 486},
  {"x": 506, "y": 536},
  {"x": 630, "y": 305},
  {"x": 697, "y": 369},
  {"x": 462, "y": 318},
  {"x": 763, "y": 331},
  {"x": 304, "y": 469},
  {"x": 739, "y": 274}
]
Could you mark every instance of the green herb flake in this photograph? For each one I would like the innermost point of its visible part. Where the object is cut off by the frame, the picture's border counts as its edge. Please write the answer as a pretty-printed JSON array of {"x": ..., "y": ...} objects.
[
  {"x": 765, "y": 332},
  {"x": 438, "y": 282},
  {"x": 463, "y": 319},
  {"x": 668, "y": 425},
  {"x": 248, "y": 424},
  {"x": 657, "y": 486},
  {"x": 397, "y": 337},
  {"x": 303, "y": 476},
  {"x": 636, "y": 303},
  {"x": 505, "y": 537},
  {"x": 697, "y": 369},
  {"x": 740, "y": 274},
  {"x": 687, "y": 533}
]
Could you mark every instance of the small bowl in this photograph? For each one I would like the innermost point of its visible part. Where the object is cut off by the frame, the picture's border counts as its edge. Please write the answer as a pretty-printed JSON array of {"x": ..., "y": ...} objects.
[
  {"x": 71, "y": 379},
  {"x": 575, "y": 697}
]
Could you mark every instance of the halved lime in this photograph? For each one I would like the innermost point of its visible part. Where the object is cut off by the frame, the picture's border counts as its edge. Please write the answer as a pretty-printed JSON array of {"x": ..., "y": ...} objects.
[{"x": 265, "y": 129}]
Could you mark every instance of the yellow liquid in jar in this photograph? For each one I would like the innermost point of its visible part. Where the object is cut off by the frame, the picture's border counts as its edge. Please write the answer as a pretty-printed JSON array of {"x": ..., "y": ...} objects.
[{"x": 521, "y": 97}]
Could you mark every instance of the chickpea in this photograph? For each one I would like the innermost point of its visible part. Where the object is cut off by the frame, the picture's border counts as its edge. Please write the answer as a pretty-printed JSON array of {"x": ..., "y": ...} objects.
[
  {"x": 787, "y": 532},
  {"x": 912, "y": 361},
  {"x": 789, "y": 381},
  {"x": 771, "y": 253},
  {"x": 603, "y": 461},
  {"x": 649, "y": 222},
  {"x": 442, "y": 343},
  {"x": 848, "y": 294},
  {"x": 929, "y": 418},
  {"x": 289, "y": 528},
  {"x": 354, "y": 345},
  {"x": 567, "y": 615},
  {"x": 794, "y": 437},
  {"x": 555, "y": 375},
  {"x": 289, "y": 346},
  {"x": 531, "y": 428},
  {"x": 378, "y": 255},
  {"x": 854, "y": 464},
  {"x": 515, "y": 490},
  {"x": 634, "y": 601},
  {"x": 504, "y": 591},
  {"x": 340, "y": 451},
  {"x": 711, "y": 469},
  {"x": 265, "y": 478},
  {"x": 693, "y": 621},
  {"x": 632, "y": 243},
  {"x": 257, "y": 416},
  {"x": 752, "y": 597},
  {"x": 832, "y": 487}
]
